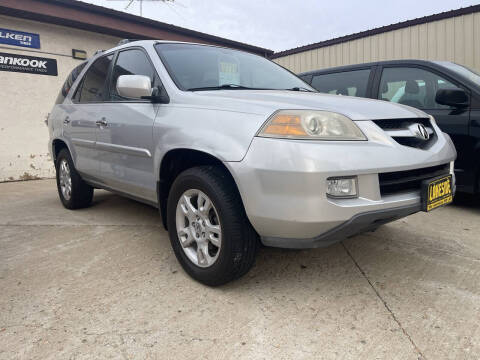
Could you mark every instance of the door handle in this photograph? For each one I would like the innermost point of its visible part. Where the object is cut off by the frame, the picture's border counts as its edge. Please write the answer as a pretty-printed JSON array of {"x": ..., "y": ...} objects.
[
  {"x": 66, "y": 121},
  {"x": 102, "y": 122}
]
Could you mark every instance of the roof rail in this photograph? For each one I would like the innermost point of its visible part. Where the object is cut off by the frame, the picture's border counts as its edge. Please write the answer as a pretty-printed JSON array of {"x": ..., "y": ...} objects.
[
  {"x": 126, "y": 41},
  {"x": 98, "y": 52}
]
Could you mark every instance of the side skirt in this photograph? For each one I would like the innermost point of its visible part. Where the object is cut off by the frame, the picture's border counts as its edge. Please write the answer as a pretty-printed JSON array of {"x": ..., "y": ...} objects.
[{"x": 97, "y": 185}]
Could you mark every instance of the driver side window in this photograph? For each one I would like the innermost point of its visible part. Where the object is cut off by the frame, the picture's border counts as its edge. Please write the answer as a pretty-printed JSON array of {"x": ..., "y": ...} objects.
[
  {"x": 413, "y": 87},
  {"x": 132, "y": 62}
]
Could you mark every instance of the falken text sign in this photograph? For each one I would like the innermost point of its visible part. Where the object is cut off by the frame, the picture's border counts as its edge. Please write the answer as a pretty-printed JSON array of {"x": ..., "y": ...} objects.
[
  {"x": 28, "y": 64},
  {"x": 19, "y": 38}
]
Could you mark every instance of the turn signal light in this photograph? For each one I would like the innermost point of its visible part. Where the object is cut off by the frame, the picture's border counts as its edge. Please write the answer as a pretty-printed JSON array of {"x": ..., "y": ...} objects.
[{"x": 285, "y": 125}]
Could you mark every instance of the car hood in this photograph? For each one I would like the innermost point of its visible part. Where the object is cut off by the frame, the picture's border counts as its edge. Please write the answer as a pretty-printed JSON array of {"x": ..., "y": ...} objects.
[{"x": 265, "y": 102}]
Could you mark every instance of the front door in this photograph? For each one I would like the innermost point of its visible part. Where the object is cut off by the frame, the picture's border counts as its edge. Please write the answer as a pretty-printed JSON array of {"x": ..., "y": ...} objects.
[{"x": 125, "y": 139}]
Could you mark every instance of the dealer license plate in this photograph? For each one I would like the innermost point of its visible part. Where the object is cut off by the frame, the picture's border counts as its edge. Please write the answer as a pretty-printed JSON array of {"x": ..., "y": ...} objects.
[{"x": 437, "y": 192}]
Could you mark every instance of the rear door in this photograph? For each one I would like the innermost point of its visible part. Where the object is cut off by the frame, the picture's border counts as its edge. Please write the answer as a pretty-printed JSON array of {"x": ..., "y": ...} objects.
[
  {"x": 125, "y": 141},
  {"x": 355, "y": 82},
  {"x": 80, "y": 121},
  {"x": 417, "y": 86}
]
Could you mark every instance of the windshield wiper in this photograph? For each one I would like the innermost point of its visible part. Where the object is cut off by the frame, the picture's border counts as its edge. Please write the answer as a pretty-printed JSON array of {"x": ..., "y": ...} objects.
[
  {"x": 241, "y": 87},
  {"x": 296, "y": 88},
  {"x": 223, "y": 87}
]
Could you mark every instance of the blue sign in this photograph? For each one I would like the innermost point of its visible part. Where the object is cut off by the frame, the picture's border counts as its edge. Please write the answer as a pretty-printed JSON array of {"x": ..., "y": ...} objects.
[{"x": 19, "y": 38}]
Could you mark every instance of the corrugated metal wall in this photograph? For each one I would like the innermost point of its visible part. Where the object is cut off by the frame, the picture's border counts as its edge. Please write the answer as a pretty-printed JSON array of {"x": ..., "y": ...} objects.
[{"x": 455, "y": 39}]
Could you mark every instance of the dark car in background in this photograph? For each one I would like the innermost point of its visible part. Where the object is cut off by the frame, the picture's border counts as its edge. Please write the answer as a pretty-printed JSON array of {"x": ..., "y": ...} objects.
[{"x": 447, "y": 91}]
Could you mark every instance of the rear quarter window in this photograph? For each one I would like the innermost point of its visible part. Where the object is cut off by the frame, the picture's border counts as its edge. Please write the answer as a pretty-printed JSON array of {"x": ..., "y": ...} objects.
[{"x": 67, "y": 85}]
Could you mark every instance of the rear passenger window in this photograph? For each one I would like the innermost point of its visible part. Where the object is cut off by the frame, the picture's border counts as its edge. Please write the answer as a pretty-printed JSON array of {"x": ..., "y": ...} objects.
[
  {"x": 94, "y": 86},
  {"x": 351, "y": 83},
  {"x": 69, "y": 82},
  {"x": 132, "y": 62}
]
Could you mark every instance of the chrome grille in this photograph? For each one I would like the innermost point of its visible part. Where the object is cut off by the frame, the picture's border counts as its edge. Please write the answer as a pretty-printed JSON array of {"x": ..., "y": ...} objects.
[{"x": 403, "y": 131}]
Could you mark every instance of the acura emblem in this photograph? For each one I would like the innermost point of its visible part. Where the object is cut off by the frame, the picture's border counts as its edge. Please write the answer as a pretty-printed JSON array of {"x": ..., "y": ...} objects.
[{"x": 419, "y": 131}]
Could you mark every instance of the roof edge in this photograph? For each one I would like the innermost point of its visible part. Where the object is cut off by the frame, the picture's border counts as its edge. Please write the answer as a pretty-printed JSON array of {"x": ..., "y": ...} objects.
[
  {"x": 380, "y": 30},
  {"x": 160, "y": 24},
  {"x": 8, "y": 7}
]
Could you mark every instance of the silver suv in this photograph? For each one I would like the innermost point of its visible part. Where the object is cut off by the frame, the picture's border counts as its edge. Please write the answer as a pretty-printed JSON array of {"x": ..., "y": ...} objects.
[{"x": 235, "y": 150}]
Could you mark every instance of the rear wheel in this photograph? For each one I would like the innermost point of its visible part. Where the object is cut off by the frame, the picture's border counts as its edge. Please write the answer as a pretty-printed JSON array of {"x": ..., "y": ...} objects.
[
  {"x": 74, "y": 193},
  {"x": 209, "y": 231}
]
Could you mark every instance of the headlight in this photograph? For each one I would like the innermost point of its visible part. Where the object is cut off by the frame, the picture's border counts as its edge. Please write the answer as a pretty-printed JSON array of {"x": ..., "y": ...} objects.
[{"x": 311, "y": 124}]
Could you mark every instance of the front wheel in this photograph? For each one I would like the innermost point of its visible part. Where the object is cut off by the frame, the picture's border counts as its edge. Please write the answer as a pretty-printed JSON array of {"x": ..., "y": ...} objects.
[{"x": 209, "y": 231}]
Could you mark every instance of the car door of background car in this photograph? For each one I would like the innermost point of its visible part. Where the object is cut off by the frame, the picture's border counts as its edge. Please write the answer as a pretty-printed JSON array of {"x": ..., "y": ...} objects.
[
  {"x": 417, "y": 86},
  {"x": 125, "y": 141},
  {"x": 354, "y": 82},
  {"x": 80, "y": 124}
]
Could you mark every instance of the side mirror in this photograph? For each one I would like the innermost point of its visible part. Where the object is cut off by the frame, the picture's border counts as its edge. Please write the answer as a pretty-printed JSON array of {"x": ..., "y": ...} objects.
[
  {"x": 134, "y": 86},
  {"x": 140, "y": 87},
  {"x": 452, "y": 97}
]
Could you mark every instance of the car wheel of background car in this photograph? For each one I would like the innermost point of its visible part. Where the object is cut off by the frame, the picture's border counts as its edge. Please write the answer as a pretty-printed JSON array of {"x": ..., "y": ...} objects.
[
  {"x": 73, "y": 191},
  {"x": 209, "y": 230}
]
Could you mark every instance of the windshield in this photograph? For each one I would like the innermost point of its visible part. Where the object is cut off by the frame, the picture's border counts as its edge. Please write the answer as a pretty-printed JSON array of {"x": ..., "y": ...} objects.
[
  {"x": 461, "y": 70},
  {"x": 199, "y": 67}
]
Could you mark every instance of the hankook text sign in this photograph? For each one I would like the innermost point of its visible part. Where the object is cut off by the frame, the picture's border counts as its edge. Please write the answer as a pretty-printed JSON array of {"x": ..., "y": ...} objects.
[
  {"x": 19, "y": 38},
  {"x": 28, "y": 64}
]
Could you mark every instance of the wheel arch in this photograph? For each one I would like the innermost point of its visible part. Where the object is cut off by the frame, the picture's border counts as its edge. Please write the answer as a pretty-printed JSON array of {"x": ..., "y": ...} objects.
[
  {"x": 173, "y": 163},
  {"x": 57, "y": 145}
]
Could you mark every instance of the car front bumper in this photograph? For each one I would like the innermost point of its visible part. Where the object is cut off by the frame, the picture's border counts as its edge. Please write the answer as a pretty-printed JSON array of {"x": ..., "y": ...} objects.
[
  {"x": 283, "y": 187},
  {"x": 359, "y": 223}
]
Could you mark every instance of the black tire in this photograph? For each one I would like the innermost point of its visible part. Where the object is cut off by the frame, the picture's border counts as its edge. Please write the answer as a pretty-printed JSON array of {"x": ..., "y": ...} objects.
[
  {"x": 239, "y": 239},
  {"x": 81, "y": 193}
]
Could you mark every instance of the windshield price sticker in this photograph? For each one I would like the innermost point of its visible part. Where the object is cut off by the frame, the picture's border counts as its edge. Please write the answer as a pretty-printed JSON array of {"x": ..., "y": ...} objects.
[{"x": 228, "y": 73}]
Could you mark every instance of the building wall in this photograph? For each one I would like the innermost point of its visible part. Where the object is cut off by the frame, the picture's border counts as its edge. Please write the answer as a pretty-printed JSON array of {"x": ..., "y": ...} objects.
[
  {"x": 26, "y": 99},
  {"x": 455, "y": 39}
]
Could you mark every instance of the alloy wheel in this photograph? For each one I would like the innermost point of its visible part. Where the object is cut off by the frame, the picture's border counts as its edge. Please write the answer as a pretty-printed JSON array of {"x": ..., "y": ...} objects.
[
  {"x": 198, "y": 228},
  {"x": 65, "y": 179}
]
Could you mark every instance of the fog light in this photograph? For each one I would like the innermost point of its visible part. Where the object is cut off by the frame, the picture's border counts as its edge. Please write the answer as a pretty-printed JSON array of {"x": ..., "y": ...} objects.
[{"x": 342, "y": 187}]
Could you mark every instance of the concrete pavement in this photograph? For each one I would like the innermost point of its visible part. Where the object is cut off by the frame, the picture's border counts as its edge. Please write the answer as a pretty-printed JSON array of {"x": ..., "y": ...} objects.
[{"x": 103, "y": 283}]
